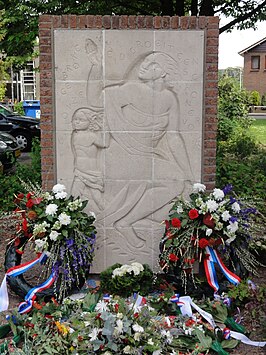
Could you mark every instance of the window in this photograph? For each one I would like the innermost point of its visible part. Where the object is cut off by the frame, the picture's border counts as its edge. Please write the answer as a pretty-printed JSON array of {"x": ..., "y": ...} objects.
[{"x": 255, "y": 62}]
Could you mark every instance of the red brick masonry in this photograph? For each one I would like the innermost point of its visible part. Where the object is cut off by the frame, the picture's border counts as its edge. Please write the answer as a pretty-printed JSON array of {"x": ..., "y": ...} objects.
[{"x": 210, "y": 25}]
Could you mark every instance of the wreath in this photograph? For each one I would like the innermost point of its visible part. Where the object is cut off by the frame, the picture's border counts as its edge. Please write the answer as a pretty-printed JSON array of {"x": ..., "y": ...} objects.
[
  {"x": 63, "y": 236},
  {"x": 210, "y": 230}
]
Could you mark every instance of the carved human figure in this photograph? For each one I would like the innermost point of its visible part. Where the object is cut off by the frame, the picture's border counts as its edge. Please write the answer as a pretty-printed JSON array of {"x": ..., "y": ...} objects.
[
  {"x": 142, "y": 117},
  {"x": 87, "y": 141}
]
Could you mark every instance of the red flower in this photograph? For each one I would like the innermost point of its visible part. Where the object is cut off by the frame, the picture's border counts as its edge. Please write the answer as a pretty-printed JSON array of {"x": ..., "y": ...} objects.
[
  {"x": 29, "y": 203},
  {"x": 203, "y": 243},
  {"x": 25, "y": 225},
  {"x": 37, "y": 200},
  {"x": 176, "y": 223},
  {"x": 173, "y": 257},
  {"x": 29, "y": 195},
  {"x": 193, "y": 214},
  {"x": 208, "y": 220}
]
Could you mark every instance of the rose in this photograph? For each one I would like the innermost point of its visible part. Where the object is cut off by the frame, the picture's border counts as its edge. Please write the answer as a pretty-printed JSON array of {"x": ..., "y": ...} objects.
[
  {"x": 176, "y": 223},
  {"x": 173, "y": 257},
  {"x": 203, "y": 243},
  {"x": 193, "y": 214},
  {"x": 208, "y": 220}
]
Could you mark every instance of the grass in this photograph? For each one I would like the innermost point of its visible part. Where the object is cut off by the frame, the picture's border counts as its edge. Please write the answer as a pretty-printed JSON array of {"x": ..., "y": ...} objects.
[{"x": 258, "y": 130}]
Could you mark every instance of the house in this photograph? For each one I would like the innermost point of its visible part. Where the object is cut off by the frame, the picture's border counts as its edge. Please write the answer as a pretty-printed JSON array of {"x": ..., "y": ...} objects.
[{"x": 254, "y": 74}]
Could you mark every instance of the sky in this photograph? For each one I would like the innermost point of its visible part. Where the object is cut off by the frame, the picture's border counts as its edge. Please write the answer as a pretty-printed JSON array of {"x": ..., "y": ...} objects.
[{"x": 232, "y": 43}]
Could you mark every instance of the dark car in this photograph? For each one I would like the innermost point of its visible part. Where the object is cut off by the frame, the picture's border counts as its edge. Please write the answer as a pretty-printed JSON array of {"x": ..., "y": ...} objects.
[
  {"x": 23, "y": 128},
  {"x": 9, "y": 150}
]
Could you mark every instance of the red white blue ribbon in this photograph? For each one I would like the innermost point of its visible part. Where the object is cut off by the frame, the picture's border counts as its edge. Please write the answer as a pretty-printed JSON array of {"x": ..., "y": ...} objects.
[
  {"x": 25, "y": 307},
  {"x": 176, "y": 299},
  {"x": 212, "y": 258},
  {"x": 186, "y": 310},
  {"x": 13, "y": 272}
]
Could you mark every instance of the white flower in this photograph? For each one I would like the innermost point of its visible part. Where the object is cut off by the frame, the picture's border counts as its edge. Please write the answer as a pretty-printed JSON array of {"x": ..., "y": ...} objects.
[
  {"x": 156, "y": 352},
  {"x": 94, "y": 334},
  {"x": 137, "y": 328},
  {"x": 51, "y": 209},
  {"x": 236, "y": 207},
  {"x": 233, "y": 227},
  {"x": 208, "y": 232},
  {"x": 150, "y": 341},
  {"x": 179, "y": 209},
  {"x": 218, "y": 194},
  {"x": 102, "y": 306},
  {"x": 54, "y": 235},
  {"x": 138, "y": 265},
  {"x": 58, "y": 188},
  {"x": 218, "y": 226},
  {"x": 119, "y": 326},
  {"x": 212, "y": 205},
  {"x": 127, "y": 350},
  {"x": 61, "y": 195},
  {"x": 226, "y": 216},
  {"x": 40, "y": 243},
  {"x": 92, "y": 214},
  {"x": 74, "y": 205},
  {"x": 197, "y": 187},
  {"x": 168, "y": 336},
  {"x": 120, "y": 315},
  {"x": 40, "y": 228},
  {"x": 86, "y": 323},
  {"x": 64, "y": 219},
  {"x": 47, "y": 196},
  {"x": 137, "y": 336}
]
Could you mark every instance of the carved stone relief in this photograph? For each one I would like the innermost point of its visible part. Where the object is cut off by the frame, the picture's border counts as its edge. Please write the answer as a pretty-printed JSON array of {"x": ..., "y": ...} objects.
[{"x": 129, "y": 130}]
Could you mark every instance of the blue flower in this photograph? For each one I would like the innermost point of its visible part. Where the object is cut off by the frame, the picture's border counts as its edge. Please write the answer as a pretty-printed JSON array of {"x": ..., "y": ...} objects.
[{"x": 227, "y": 189}]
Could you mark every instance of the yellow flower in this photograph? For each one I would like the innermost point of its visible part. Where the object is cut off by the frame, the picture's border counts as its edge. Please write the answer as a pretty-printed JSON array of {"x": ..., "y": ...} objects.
[{"x": 62, "y": 328}]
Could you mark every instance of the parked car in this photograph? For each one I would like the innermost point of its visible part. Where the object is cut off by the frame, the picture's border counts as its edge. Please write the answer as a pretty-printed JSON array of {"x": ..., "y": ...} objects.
[
  {"x": 23, "y": 128},
  {"x": 9, "y": 150}
]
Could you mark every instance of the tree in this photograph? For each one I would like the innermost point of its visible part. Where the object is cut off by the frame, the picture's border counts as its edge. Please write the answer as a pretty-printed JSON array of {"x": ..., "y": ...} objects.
[
  {"x": 3, "y": 73},
  {"x": 21, "y": 18}
]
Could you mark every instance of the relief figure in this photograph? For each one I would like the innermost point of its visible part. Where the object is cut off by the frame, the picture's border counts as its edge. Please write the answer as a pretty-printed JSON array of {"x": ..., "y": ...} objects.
[
  {"x": 87, "y": 141},
  {"x": 142, "y": 116}
]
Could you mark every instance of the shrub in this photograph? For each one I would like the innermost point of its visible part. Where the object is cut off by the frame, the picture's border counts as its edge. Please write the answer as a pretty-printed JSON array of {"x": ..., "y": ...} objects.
[{"x": 10, "y": 184}]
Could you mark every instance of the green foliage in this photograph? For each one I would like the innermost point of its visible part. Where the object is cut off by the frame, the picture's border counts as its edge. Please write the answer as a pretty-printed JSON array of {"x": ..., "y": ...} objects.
[
  {"x": 18, "y": 107},
  {"x": 128, "y": 283},
  {"x": 246, "y": 292},
  {"x": 240, "y": 159},
  {"x": 258, "y": 130},
  {"x": 255, "y": 98},
  {"x": 263, "y": 100},
  {"x": 232, "y": 108},
  {"x": 20, "y": 19},
  {"x": 10, "y": 184}
]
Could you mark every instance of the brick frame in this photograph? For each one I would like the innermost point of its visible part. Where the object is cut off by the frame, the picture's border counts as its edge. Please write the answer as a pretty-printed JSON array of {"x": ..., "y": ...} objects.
[{"x": 210, "y": 25}]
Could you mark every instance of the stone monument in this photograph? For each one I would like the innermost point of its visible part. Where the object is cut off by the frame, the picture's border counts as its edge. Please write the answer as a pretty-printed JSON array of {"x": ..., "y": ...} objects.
[{"x": 128, "y": 110}]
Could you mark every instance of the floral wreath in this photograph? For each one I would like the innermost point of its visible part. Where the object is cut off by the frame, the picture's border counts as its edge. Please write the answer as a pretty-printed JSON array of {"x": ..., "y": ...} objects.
[
  {"x": 207, "y": 229},
  {"x": 63, "y": 236}
]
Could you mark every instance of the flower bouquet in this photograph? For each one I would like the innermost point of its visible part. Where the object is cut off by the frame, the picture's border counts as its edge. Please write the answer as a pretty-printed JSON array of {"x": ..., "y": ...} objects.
[
  {"x": 62, "y": 234},
  {"x": 125, "y": 279},
  {"x": 205, "y": 231}
]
